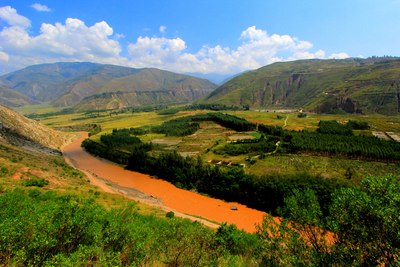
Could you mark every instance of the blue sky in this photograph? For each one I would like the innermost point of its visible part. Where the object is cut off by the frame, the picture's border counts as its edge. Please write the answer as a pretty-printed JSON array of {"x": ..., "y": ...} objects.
[{"x": 224, "y": 37}]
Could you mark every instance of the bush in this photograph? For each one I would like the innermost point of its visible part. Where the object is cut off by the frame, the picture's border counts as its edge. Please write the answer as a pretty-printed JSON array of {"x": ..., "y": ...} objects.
[
  {"x": 170, "y": 214},
  {"x": 3, "y": 171},
  {"x": 46, "y": 229},
  {"x": 333, "y": 127},
  {"x": 302, "y": 115},
  {"x": 39, "y": 182}
]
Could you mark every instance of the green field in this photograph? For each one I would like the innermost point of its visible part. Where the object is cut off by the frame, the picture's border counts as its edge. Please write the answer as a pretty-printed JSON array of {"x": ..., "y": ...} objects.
[{"x": 212, "y": 135}]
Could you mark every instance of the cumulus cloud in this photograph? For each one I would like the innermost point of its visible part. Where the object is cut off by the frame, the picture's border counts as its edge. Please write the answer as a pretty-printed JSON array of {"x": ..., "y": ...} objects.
[
  {"x": 40, "y": 7},
  {"x": 155, "y": 52},
  {"x": 257, "y": 49},
  {"x": 10, "y": 15},
  {"x": 73, "y": 40}
]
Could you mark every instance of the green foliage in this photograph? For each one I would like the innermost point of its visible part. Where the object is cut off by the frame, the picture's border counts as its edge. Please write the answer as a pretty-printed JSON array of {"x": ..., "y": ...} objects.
[
  {"x": 358, "y": 125},
  {"x": 45, "y": 229},
  {"x": 105, "y": 152},
  {"x": 235, "y": 241},
  {"x": 190, "y": 124},
  {"x": 215, "y": 107},
  {"x": 231, "y": 184},
  {"x": 364, "y": 220},
  {"x": 282, "y": 245},
  {"x": 346, "y": 145},
  {"x": 246, "y": 147},
  {"x": 177, "y": 127},
  {"x": 3, "y": 171},
  {"x": 50, "y": 114},
  {"x": 170, "y": 214},
  {"x": 301, "y": 115},
  {"x": 333, "y": 127},
  {"x": 39, "y": 182},
  {"x": 119, "y": 139},
  {"x": 367, "y": 223},
  {"x": 271, "y": 130}
]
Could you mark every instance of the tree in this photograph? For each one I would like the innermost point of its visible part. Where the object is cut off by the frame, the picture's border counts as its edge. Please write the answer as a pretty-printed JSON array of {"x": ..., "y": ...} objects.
[{"x": 367, "y": 223}]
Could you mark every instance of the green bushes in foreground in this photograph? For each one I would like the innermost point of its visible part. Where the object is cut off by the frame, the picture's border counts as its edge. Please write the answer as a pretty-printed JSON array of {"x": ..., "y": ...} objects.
[
  {"x": 45, "y": 229},
  {"x": 364, "y": 228}
]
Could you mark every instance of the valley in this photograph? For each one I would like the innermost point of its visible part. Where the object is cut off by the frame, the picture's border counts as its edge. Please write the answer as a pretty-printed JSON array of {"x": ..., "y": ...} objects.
[
  {"x": 209, "y": 134},
  {"x": 162, "y": 194},
  {"x": 199, "y": 133},
  {"x": 230, "y": 173}
]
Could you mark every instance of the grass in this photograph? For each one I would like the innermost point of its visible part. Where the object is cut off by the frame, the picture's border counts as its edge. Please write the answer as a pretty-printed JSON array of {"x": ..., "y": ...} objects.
[
  {"x": 38, "y": 109},
  {"x": 38, "y": 169},
  {"x": 325, "y": 167},
  {"x": 212, "y": 135}
]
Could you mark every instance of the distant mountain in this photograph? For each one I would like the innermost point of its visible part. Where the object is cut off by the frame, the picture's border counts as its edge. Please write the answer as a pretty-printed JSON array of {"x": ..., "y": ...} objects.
[
  {"x": 12, "y": 98},
  {"x": 213, "y": 77},
  {"x": 146, "y": 87},
  {"x": 351, "y": 85},
  {"x": 18, "y": 130},
  {"x": 66, "y": 84}
]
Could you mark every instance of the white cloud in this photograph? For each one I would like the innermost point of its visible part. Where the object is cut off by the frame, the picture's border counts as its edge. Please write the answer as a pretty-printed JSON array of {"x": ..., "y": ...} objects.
[
  {"x": 40, "y": 7},
  {"x": 73, "y": 40},
  {"x": 10, "y": 15},
  {"x": 155, "y": 52},
  {"x": 4, "y": 56},
  {"x": 339, "y": 55},
  {"x": 163, "y": 28},
  {"x": 257, "y": 49}
]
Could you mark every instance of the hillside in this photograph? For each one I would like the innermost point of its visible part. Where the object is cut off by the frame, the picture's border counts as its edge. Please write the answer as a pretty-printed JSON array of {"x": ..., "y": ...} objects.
[
  {"x": 12, "y": 98},
  {"x": 65, "y": 84},
  {"x": 350, "y": 85},
  {"x": 146, "y": 87},
  {"x": 18, "y": 130}
]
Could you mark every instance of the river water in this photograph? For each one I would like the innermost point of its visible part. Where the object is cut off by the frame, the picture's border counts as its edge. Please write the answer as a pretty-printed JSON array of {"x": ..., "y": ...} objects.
[{"x": 183, "y": 201}]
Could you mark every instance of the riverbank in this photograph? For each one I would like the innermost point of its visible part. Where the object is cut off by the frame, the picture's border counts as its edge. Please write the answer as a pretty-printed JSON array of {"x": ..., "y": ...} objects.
[{"x": 146, "y": 189}]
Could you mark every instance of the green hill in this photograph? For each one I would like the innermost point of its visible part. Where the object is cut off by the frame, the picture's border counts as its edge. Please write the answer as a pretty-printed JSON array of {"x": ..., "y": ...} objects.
[
  {"x": 65, "y": 84},
  {"x": 351, "y": 85}
]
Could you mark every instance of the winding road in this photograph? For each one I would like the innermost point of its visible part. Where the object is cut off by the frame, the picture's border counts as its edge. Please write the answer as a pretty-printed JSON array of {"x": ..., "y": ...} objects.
[{"x": 156, "y": 192}]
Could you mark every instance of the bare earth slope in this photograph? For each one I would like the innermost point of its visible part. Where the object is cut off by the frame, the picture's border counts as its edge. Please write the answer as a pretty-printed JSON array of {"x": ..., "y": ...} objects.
[{"x": 19, "y": 130}]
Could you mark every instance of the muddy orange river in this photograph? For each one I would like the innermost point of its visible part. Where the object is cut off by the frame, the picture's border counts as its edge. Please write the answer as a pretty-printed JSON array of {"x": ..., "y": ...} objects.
[{"x": 172, "y": 197}]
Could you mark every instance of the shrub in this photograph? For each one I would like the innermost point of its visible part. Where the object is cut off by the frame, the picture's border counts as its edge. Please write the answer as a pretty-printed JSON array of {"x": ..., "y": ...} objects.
[
  {"x": 39, "y": 182},
  {"x": 170, "y": 214},
  {"x": 3, "y": 171}
]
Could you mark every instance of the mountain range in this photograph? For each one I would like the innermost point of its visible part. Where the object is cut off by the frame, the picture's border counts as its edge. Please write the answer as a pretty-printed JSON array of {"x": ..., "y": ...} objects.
[
  {"x": 66, "y": 84},
  {"x": 351, "y": 85}
]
